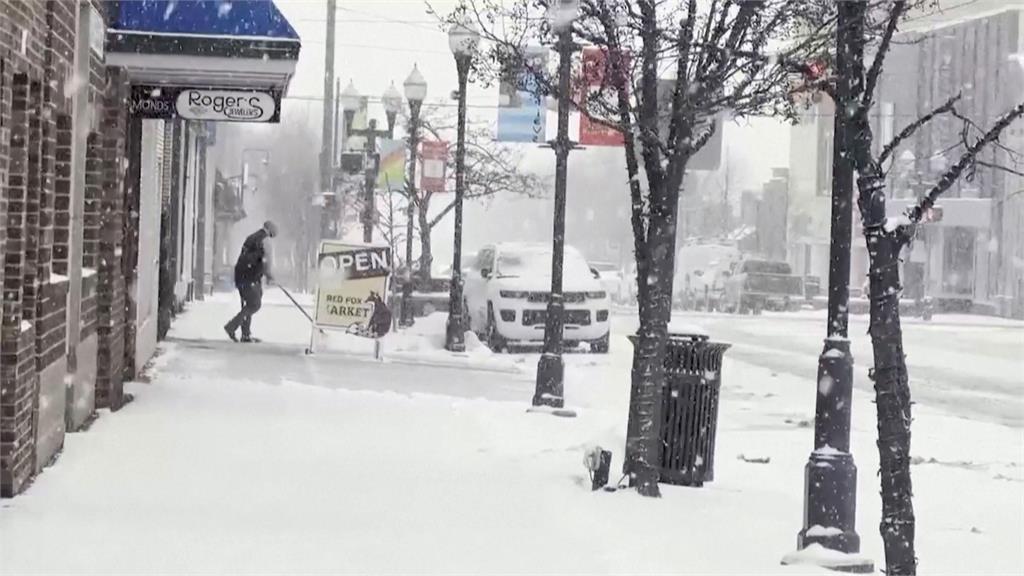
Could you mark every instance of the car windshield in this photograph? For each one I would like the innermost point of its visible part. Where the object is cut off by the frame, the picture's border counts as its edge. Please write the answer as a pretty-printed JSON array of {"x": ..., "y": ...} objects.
[{"x": 535, "y": 261}]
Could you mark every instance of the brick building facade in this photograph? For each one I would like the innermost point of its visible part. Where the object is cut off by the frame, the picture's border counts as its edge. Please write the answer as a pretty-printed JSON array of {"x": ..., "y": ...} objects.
[
  {"x": 36, "y": 67},
  {"x": 46, "y": 248},
  {"x": 92, "y": 196}
]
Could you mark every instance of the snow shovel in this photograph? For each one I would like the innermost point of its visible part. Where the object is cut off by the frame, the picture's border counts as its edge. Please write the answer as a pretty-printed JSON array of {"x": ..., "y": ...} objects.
[{"x": 301, "y": 309}]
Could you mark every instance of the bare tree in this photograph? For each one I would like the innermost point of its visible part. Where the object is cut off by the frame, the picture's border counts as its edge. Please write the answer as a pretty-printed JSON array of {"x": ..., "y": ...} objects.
[
  {"x": 491, "y": 170},
  {"x": 671, "y": 69},
  {"x": 872, "y": 27}
]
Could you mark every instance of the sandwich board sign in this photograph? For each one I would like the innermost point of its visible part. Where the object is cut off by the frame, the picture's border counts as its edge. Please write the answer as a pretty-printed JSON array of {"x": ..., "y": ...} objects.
[{"x": 348, "y": 275}]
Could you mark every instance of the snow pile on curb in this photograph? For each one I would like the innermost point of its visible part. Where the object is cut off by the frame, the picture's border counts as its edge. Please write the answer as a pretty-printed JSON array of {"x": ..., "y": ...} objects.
[
  {"x": 423, "y": 343},
  {"x": 818, "y": 555}
]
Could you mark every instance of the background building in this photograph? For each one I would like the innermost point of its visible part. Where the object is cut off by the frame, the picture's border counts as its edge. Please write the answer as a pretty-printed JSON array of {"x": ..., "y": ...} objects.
[{"x": 971, "y": 259}]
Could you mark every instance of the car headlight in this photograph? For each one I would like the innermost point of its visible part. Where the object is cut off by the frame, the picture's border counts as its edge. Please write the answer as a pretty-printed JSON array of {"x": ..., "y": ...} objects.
[
  {"x": 599, "y": 295},
  {"x": 512, "y": 294}
]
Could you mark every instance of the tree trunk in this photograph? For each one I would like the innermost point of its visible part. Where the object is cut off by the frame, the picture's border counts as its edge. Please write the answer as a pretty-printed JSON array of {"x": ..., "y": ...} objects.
[
  {"x": 643, "y": 439},
  {"x": 892, "y": 387},
  {"x": 426, "y": 253}
]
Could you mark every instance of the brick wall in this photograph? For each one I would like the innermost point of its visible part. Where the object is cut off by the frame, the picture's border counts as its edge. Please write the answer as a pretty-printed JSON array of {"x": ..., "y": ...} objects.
[
  {"x": 62, "y": 195},
  {"x": 36, "y": 58},
  {"x": 110, "y": 293},
  {"x": 17, "y": 363}
]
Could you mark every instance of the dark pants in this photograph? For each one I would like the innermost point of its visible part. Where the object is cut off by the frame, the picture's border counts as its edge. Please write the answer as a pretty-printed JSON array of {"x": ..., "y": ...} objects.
[{"x": 252, "y": 298}]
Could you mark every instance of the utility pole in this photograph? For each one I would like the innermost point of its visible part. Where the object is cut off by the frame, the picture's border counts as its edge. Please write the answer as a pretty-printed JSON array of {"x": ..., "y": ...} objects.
[
  {"x": 830, "y": 477},
  {"x": 370, "y": 184},
  {"x": 326, "y": 138},
  {"x": 370, "y": 171},
  {"x": 337, "y": 128}
]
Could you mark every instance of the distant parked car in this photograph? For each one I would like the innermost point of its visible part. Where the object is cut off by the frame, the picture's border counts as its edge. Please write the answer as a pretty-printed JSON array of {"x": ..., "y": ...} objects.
[
  {"x": 613, "y": 280},
  {"x": 700, "y": 274},
  {"x": 507, "y": 291},
  {"x": 753, "y": 285}
]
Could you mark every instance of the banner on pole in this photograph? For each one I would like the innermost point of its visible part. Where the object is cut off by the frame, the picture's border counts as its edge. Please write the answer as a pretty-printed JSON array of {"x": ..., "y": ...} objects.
[
  {"x": 347, "y": 274},
  {"x": 597, "y": 76},
  {"x": 522, "y": 114},
  {"x": 434, "y": 155},
  {"x": 391, "y": 171}
]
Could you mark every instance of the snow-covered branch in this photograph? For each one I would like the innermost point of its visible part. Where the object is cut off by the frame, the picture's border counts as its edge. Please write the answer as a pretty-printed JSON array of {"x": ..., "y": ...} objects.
[
  {"x": 965, "y": 162},
  {"x": 896, "y": 12},
  {"x": 890, "y": 148}
]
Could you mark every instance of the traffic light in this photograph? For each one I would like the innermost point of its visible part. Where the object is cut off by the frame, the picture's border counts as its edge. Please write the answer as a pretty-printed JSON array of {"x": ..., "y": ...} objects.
[{"x": 934, "y": 214}]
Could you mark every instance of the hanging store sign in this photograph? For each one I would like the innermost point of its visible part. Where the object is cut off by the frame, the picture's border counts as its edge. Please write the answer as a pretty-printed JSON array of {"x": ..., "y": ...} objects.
[{"x": 163, "y": 102}]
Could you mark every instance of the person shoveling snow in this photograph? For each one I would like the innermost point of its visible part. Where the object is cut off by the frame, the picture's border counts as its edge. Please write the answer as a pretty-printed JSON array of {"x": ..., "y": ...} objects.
[{"x": 252, "y": 266}]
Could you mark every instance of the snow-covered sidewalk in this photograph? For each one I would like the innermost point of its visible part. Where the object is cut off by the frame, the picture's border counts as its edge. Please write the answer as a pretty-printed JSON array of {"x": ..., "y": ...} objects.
[{"x": 260, "y": 460}]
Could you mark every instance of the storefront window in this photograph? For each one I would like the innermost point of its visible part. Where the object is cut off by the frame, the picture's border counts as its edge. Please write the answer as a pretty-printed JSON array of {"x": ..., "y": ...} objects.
[{"x": 958, "y": 262}]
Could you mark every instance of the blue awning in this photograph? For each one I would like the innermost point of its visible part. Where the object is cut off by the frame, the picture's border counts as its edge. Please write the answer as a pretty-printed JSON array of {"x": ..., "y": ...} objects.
[
  {"x": 248, "y": 18},
  {"x": 224, "y": 43}
]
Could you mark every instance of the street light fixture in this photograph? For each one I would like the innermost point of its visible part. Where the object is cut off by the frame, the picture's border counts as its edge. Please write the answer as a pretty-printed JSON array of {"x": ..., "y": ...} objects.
[
  {"x": 463, "y": 39},
  {"x": 392, "y": 101},
  {"x": 415, "y": 92},
  {"x": 549, "y": 390},
  {"x": 351, "y": 101}
]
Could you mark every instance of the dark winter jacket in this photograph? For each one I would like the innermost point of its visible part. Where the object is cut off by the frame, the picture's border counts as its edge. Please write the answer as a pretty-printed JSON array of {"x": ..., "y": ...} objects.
[{"x": 252, "y": 263}]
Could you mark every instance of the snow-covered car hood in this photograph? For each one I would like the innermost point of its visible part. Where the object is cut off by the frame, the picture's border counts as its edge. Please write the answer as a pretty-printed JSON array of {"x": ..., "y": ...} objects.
[{"x": 543, "y": 284}]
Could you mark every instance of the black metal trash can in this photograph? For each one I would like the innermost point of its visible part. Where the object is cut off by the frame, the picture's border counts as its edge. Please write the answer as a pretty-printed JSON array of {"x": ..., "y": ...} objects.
[{"x": 693, "y": 380}]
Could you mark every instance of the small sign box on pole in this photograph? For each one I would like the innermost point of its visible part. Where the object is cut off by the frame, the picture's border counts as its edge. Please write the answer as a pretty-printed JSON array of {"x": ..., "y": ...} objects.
[{"x": 347, "y": 276}]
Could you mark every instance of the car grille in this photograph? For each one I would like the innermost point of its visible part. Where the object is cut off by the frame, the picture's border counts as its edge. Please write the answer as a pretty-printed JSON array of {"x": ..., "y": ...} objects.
[
  {"x": 573, "y": 317},
  {"x": 567, "y": 297}
]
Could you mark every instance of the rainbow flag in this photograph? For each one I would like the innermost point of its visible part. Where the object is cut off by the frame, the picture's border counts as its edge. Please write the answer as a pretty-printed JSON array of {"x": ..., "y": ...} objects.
[{"x": 391, "y": 175}]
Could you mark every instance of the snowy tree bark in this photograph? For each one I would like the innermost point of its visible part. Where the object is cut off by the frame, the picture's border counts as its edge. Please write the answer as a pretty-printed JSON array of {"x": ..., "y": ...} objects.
[{"x": 886, "y": 238}]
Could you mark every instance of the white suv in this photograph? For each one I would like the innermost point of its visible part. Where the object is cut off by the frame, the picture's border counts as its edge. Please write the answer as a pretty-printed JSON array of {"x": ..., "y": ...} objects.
[{"x": 507, "y": 290}]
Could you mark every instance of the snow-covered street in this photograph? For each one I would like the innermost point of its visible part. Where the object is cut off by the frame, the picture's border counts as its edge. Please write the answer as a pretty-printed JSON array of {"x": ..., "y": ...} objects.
[
  {"x": 257, "y": 459},
  {"x": 968, "y": 365}
]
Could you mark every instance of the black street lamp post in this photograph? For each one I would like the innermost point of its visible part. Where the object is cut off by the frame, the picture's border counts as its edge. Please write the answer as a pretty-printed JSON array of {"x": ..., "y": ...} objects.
[
  {"x": 372, "y": 158},
  {"x": 462, "y": 39},
  {"x": 415, "y": 92},
  {"x": 830, "y": 477},
  {"x": 334, "y": 210},
  {"x": 550, "y": 367}
]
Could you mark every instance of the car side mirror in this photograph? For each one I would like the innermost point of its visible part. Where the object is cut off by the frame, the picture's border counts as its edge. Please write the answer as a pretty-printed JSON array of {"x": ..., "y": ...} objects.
[
  {"x": 485, "y": 272},
  {"x": 596, "y": 274}
]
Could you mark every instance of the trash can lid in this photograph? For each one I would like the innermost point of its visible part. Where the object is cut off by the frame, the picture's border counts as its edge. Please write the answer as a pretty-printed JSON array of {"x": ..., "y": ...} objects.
[{"x": 680, "y": 329}]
